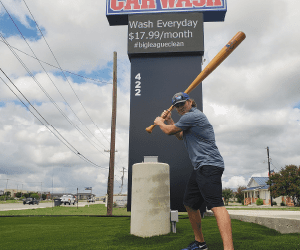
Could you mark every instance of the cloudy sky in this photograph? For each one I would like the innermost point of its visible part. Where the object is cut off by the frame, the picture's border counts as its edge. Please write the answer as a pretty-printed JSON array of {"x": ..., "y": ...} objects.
[{"x": 252, "y": 99}]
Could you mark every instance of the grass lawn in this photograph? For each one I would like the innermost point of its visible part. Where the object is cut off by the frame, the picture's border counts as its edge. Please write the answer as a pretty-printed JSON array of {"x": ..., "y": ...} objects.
[
  {"x": 95, "y": 209},
  {"x": 114, "y": 233},
  {"x": 9, "y": 201}
]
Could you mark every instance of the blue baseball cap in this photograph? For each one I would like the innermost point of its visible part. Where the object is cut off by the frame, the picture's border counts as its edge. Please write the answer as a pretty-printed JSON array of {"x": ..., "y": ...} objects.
[{"x": 179, "y": 97}]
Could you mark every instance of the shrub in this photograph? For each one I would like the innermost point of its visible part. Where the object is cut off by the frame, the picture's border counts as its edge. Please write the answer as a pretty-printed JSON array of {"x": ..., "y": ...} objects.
[
  {"x": 274, "y": 203},
  {"x": 240, "y": 195},
  {"x": 259, "y": 202},
  {"x": 227, "y": 193},
  {"x": 282, "y": 204},
  {"x": 35, "y": 196}
]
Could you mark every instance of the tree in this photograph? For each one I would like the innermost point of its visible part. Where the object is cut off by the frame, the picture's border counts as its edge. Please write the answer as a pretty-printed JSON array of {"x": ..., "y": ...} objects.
[
  {"x": 35, "y": 196},
  {"x": 227, "y": 193},
  {"x": 18, "y": 195},
  {"x": 240, "y": 195},
  {"x": 286, "y": 183}
]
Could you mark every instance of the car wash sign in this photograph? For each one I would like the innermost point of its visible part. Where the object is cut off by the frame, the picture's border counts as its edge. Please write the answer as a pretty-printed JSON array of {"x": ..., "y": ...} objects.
[{"x": 117, "y": 11}]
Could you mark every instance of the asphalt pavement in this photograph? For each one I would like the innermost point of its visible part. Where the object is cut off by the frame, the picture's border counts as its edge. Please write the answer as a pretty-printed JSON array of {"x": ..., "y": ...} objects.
[{"x": 20, "y": 206}]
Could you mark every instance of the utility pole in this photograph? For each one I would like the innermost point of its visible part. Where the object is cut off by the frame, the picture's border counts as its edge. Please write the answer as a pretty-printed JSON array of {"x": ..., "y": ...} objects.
[
  {"x": 122, "y": 180},
  {"x": 6, "y": 189},
  {"x": 269, "y": 175},
  {"x": 110, "y": 183}
]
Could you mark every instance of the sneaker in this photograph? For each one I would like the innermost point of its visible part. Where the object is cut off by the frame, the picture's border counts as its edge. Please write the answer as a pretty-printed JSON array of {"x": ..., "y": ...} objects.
[{"x": 196, "y": 246}]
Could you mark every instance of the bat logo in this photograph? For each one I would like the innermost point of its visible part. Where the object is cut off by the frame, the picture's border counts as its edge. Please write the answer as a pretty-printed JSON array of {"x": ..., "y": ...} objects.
[{"x": 231, "y": 45}]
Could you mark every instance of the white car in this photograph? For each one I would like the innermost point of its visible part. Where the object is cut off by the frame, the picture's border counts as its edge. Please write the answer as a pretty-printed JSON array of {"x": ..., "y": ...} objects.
[
  {"x": 68, "y": 199},
  {"x": 91, "y": 199}
]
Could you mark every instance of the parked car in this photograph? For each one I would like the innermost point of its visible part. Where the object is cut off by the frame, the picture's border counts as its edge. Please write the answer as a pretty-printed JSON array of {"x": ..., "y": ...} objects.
[
  {"x": 68, "y": 199},
  {"x": 30, "y": 201},
  {"x": 91, "y": 199}
]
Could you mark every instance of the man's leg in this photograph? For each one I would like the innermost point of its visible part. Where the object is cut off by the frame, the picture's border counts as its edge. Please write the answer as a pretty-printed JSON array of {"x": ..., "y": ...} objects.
[
  {"x": 224, "y": 224},
  {"x": 195, "y": 219}
]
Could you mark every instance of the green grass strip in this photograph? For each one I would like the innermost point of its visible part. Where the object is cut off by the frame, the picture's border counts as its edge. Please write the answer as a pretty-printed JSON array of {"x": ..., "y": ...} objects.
[
  {"x": 96, "y": 209},
  {"x": 114, "y": 233}
]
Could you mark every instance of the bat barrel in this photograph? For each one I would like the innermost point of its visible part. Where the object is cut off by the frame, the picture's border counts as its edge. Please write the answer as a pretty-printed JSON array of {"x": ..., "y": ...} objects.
[
  {"x": 212, "y": 65},
  {"x": 217, "y": 60}
]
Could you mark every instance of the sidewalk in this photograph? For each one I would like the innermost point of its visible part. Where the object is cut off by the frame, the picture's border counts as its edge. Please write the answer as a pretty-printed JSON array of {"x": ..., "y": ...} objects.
[{"x": 282, "y": 221}]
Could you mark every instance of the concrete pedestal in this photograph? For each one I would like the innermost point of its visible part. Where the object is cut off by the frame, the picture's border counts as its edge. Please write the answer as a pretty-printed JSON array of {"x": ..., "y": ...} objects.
[{"x": 150, "y": 204}]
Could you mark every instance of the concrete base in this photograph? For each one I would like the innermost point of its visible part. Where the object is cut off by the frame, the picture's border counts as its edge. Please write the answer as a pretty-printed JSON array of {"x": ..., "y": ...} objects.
[
  {"x": 282, "y": 225},
  {"x": 150, "y": 204},
  {"x": 282, "y": 221}
]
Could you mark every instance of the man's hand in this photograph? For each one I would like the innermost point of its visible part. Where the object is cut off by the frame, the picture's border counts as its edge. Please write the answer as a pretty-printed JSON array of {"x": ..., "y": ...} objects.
[
  {"x": 167, "y": 115},
  {"x": 169, "y": 129},
  {"x": 159, "y": 121}
]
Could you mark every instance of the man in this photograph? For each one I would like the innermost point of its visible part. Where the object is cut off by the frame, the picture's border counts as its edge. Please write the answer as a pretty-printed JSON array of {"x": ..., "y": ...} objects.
[{"x": 205, "y": 183}]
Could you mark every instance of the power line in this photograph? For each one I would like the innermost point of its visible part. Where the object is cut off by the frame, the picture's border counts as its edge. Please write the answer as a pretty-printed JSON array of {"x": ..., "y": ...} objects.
[
  {"x": 92, "y": 79},
  {"x": 45, "y": 92},
  {"x": 50, "y": 98},
  {"x": 275, "y": 166},
  {"x": 61, "y": 68},
  {"x": 64, "y": 141}
]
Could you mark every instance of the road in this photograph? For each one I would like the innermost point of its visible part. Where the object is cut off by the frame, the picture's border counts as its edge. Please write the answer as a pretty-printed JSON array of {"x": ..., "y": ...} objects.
[{"x": 20, "y": 206}]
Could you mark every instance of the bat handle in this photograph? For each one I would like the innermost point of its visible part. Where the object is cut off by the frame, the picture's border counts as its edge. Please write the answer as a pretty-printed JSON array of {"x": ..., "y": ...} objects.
[{"x": 150, "y": 128}]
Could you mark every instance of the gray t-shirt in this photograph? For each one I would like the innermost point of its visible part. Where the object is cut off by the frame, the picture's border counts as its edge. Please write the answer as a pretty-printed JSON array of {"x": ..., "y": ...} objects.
[{"x": 199, "y": 139}]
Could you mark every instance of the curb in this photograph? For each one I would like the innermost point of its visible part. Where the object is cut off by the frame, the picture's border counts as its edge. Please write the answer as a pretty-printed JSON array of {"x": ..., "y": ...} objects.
[{"x": 282, "y": 225}]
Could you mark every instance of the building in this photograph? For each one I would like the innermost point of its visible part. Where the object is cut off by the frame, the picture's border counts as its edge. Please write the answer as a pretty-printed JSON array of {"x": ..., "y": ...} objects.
[
  {"x": 119, "y": 200},
  {"x": 13, "y": 192},
  {"x": 85, "y": 196},
  {"x": 258, "y": 188}
]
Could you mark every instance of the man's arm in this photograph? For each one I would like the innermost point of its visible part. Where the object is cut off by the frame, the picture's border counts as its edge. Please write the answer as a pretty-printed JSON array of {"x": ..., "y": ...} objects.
[{"x": 169, "y": 128}]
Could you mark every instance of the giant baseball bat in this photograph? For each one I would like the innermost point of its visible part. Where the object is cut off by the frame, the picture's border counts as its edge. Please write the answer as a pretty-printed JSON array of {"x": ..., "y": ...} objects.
[{"x": 211, "y": 66}]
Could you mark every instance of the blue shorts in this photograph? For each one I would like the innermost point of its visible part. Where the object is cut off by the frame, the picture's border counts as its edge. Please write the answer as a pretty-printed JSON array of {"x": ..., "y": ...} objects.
[{"x": 204, "y": 185}]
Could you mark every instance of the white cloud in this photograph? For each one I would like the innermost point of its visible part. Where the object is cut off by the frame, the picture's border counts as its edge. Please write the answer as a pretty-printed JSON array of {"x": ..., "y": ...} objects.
[{"x": 235, "y": 181}]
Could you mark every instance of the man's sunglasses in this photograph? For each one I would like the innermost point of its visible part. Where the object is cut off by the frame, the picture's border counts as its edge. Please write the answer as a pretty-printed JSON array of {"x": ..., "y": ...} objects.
[{"x": 179, "y": 105}]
